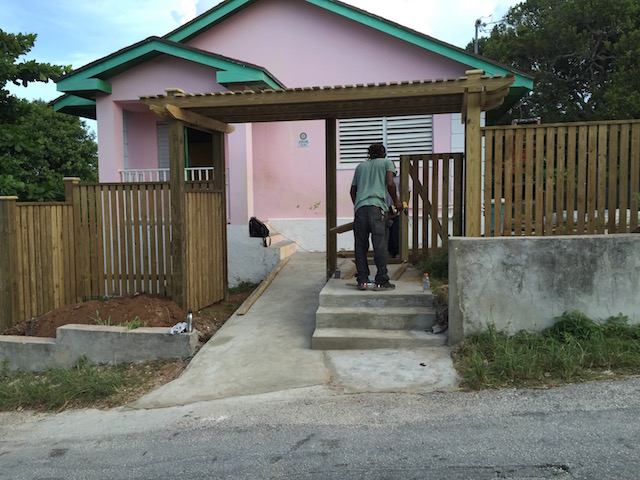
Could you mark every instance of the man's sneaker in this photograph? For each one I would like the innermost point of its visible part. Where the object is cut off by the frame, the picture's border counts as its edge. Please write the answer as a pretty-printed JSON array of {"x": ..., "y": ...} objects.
[
  {"x": 379, "y": 287},
  {"x": 362, "y": 286}
]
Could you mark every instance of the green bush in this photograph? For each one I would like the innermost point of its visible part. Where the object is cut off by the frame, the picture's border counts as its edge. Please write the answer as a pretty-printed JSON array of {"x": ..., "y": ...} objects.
[
  {"x": 436, "y": 264},
  {"x": 575, "y": 348}
]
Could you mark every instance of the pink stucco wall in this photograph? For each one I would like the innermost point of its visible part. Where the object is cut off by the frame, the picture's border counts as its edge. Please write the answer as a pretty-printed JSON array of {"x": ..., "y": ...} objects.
[{"x": 301, "y": 45}]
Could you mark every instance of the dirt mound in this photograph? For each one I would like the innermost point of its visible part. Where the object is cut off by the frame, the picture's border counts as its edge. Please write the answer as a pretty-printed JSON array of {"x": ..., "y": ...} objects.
[{"x": 152, "y": 311}]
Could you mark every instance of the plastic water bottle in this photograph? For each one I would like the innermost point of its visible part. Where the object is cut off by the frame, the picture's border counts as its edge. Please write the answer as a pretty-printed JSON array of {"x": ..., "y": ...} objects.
[
  {"x": 426, "y": 285},
  {"x": 190, "y": 322}
]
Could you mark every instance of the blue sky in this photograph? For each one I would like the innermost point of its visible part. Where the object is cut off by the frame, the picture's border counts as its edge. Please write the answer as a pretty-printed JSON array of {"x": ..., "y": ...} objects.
[{"x": 76, "y": 32}]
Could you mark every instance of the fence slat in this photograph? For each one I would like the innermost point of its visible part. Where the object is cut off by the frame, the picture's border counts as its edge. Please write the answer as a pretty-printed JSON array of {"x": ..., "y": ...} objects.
[
  {"x": 498, "y": 172},
  {"x": 435, "y": 165},
  {"x": 153, "y": 252},
  {"x": 509, "y": 156},
  {"x": 550, "y": 167},
  {"x": 458, "y": 187},
  {"x": 538, "y": 202},
  {"x": 614, "y": 179},
  {"x": 561, "y": 168},
  {"x": 571, "y": 178},
  {"x": 446, "y": 169},
  {"x": 489, "y": 162},
  {"x": 634, "y": 202},
  {"x": 592, "y": 178},
  {"x": 582, "y": 179},
  {"x": 601, "y": 195}
]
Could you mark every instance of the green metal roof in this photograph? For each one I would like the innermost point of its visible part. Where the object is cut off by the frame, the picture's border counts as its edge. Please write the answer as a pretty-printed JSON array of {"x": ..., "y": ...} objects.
[{"x": 86, "y": 82}]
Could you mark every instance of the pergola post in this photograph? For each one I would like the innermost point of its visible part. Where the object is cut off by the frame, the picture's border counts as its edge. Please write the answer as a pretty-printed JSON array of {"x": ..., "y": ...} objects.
[
  {"x": 331, "y": 132},
  {"x": 178, "y": 232},
  {"x": 471, "y": 112},
  {"x": 219, "y": 180}
]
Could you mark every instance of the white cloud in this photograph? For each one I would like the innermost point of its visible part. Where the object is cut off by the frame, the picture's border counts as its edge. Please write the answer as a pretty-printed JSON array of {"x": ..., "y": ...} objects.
[{"x": 186, "y": 11}]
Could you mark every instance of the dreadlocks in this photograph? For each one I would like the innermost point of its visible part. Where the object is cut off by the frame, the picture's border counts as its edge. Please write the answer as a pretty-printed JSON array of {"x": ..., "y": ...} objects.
[{"x": 377, "y": 150}]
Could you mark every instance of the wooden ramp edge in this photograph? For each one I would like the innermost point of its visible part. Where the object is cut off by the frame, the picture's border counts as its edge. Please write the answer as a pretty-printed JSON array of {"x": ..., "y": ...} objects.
[{"x": 244, "y": 308}]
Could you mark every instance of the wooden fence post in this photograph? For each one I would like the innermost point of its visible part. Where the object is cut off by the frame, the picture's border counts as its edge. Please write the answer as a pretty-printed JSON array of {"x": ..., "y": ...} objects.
[
  {"x": 8, "y": 262},
  {"x": 473, "y": 146},
  {"x": 331, "y": 128},
  {"x": 177, "y": 156},
  {"x": 69, "y": 183}
]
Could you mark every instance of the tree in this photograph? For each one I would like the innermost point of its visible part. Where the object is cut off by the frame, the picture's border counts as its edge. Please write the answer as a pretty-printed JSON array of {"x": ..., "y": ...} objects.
[
  {"x": 583, "y": 55},
  {"x": 38, "y": 147}
]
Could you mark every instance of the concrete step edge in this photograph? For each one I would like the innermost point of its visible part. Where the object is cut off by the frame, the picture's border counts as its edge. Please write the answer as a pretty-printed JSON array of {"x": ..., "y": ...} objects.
[
  {"x": 350, "y": 339},
  {"x": 385, "y": 311},
  {"x": 375, "y": 332}
]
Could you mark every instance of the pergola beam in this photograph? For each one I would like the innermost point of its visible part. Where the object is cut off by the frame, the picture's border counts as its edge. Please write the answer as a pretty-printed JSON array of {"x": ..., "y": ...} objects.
[
  {"x": 314, "y": 103},
  {"x": 168, "y": 111}
]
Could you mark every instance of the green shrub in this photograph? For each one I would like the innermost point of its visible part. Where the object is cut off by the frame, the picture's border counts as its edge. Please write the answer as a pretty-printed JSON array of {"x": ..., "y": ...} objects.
[{"x": 436, "y": 264}]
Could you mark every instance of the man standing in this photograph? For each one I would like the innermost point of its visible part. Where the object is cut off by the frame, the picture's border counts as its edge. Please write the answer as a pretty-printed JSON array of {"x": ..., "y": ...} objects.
[{"x": 371, "y": 180}]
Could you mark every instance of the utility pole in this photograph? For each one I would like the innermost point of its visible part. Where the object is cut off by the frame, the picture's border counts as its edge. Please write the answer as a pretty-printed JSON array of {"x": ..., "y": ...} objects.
[{"x": 479, "y": 24}]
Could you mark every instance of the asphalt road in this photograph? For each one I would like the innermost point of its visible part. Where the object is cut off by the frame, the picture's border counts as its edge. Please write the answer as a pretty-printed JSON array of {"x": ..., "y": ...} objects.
[{"x": 587, "y": 431}]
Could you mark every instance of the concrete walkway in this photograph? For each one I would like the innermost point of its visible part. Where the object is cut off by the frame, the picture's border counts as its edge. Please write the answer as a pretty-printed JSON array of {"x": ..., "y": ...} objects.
[{"x": 269, "y": 350}]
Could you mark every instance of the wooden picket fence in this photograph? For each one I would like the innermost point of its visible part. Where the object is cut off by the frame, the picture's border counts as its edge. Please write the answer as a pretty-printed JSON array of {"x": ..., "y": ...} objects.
[
  {"x": 108, "y": 240},
  {"x": 562, "y": 179}
]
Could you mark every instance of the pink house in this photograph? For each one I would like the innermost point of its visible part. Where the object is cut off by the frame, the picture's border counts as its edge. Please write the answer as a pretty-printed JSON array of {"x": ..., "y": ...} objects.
[{"x": 275, "y": 171}]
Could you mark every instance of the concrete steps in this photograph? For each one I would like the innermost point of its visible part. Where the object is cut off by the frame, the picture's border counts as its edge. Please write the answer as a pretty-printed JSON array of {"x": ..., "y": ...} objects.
[
  {"x": 278, "y": 243},
  {"x": 363, "y": 339},
  {"x": 386, "y": 318},
  {"x": 348, "y": 318}
]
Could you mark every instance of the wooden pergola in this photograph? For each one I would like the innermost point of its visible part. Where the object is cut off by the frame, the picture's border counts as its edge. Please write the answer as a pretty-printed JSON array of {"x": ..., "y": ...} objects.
[{"x": 214, "y": 112}]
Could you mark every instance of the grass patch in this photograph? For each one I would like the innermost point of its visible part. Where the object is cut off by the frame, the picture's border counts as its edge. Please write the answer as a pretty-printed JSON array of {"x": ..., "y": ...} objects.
[
  {"x": 575, "y": 349},
  {"x": 243, "y": 287},
  {"x": 436, "y": 264},
  {"x": 57, "y": 389},
  {"x": 83, "y": 386},
  {"x": 135, "y": 323},
  {"x": 129, "y": 324}
]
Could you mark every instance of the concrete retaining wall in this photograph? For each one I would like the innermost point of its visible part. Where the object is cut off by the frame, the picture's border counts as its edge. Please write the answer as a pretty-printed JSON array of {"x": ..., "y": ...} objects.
[
  {"x": 524, "y": 283},
  {"x": 100, "y": 344}
]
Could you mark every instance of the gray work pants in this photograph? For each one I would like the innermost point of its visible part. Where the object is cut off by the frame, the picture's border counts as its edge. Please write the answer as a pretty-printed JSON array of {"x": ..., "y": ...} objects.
[{"x": 370, "y": 220}]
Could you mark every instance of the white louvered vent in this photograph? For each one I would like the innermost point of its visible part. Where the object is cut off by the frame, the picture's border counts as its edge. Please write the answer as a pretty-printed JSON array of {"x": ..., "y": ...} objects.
[
  {"x": 162, "y": 131},
  {"x": 401, "y": 135}
]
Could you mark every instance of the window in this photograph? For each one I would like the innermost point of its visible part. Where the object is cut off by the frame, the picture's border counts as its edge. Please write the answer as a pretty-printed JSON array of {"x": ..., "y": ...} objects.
[
  {"x": 401, "y": 135},
  {"x": 162, "y": 130}
]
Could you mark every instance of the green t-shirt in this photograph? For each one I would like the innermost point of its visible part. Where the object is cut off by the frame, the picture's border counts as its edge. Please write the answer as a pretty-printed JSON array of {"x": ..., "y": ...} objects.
[{"x": 370, "y": 179}]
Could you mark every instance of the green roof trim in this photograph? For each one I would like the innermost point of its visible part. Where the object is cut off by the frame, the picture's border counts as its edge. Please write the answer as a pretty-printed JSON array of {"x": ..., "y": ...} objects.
[
  {"x": 73, "y": 105},
  {"x": 207, "y": 19},
  {"x": 421, "y": 40},
  {"x": 90, "y": 80}
]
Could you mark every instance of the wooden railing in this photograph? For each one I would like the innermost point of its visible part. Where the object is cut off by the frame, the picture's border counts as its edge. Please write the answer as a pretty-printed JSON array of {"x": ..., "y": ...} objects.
[
  {"x": 191, "y": 174},
  {"x": 575, "y": 178}
]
